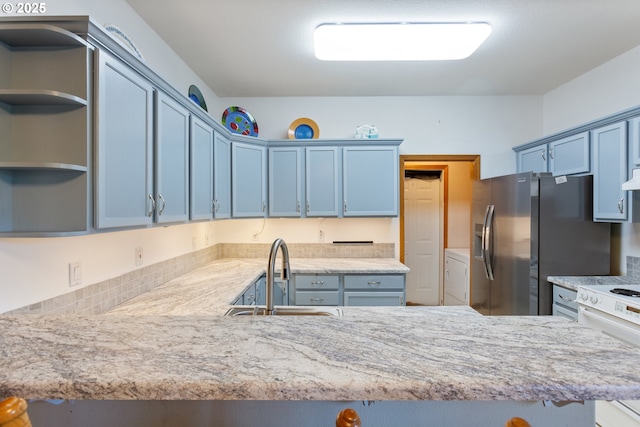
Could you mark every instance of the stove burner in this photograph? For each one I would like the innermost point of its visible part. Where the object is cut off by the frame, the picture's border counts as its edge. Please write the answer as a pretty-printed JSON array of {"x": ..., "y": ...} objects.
[{"x": 625, "y": 292}]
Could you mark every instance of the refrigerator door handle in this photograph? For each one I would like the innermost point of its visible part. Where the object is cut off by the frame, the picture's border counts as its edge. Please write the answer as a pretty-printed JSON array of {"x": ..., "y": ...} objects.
[{"x": 487, "y": 238}]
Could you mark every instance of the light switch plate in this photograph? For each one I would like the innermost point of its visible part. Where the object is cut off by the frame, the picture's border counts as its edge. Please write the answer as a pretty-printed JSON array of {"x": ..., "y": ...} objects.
[{"x": 75, "y": 273}]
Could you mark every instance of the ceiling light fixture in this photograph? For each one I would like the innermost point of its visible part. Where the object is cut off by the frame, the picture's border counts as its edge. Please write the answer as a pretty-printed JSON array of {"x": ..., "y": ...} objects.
[{"x": 398, "y": 41}]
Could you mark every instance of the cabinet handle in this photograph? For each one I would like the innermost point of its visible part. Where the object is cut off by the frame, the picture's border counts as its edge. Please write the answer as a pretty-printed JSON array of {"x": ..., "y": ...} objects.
[
  {"x": 153, "y": 206},
  {"x": 308, "y": 207},
  {"x": 317, "y": 283},
  {"x": 551, "y": 153},
  {"x": 621, "y": 205},
  {"x": 345, "y": 205},
  {"x": 565, "y": 298},
  {"x": 213, "y": 206},
  {"x": 373, "y": 283},
  {"x": 544, "y": 156},
  {"x": 298, "y": 206},
  {"x": 264, "y": 206},
  {"x": 311, "y": 299},
  {"x": 163, "y": 204},
  {"x": 216, "y": 206}
]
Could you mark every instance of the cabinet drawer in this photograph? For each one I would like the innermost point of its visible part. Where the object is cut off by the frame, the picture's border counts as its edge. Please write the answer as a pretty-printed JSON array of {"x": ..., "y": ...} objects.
[
  {"x": 565, "y": 297},
  {"x": 378, "y": 281},
  {"x": 317, "y": 298},
  {"x": 374, "y": 298},
  {"x": 316, "y": 281}
]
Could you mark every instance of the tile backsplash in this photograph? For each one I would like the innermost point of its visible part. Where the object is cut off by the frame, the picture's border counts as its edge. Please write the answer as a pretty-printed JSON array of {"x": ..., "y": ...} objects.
[
  {"x": 633, "y": 267},
  {"x": 103, "y": 296}
]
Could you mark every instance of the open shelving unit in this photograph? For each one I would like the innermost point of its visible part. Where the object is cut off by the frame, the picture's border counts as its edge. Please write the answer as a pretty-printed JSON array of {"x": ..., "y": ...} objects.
[{"x": 44, "y": 130}]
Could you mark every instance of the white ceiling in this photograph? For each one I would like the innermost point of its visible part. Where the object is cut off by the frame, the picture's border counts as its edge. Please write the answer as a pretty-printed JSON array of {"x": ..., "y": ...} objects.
[{"x": 262, "y": 48}]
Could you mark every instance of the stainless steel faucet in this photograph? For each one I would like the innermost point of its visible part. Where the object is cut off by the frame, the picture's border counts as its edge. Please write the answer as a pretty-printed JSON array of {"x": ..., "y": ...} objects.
[{"x": 284, "y": 273}]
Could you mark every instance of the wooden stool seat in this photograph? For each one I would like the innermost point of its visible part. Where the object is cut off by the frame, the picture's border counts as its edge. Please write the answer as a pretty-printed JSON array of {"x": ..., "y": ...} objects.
[
  {"x": 517, "y": 422},
  {"x": 348, "y": 418}
]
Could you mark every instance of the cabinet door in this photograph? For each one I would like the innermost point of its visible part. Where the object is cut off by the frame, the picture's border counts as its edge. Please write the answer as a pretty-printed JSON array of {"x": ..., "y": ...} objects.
[
  {"x": 201, "y": 170},
  {"x": 609, "y": 172},
  {"x": 222, "y": 177},
  {"x": 374, "y": 298},
  {"x": 634, "y": 141},
  {"x": 533, "y": 159},
  {"x": 248, "y": 182},
  {"x": 321, "y": 181},
  {"x": 456, "y": 282},
  {"x": 172, "y": 160},
  {"x": 124, "y": 145},
  {"x": 370, "y": 181},
  {"x": 285, "y": 181},
  {"x": 569, "y": 156}
]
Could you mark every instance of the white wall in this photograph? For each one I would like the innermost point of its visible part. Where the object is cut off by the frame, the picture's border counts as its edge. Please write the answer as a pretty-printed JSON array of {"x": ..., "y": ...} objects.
[{"x": 607, "y": 89}]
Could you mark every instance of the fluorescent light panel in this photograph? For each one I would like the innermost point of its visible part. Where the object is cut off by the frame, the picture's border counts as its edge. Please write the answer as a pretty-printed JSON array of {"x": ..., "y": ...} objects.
[{"x": 399, "y": 41}]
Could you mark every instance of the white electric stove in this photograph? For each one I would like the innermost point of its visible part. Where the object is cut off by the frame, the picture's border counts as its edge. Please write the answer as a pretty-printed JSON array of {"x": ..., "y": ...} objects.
[{"x": 615, "y": 311}]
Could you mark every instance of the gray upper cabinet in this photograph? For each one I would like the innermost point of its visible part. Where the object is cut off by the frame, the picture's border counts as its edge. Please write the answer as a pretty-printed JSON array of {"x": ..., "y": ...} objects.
[
  {"x": 248, "y": 180},
  {"x": 221, "y": 177},
  {"x": 322, "y": 174},
  {"x": 609, "y": 172},
  {"x": 172, "y": 160},
  {"x": 44, "y": 130},
  {"x": 285, "y": 181},
  {"x": 533, "y": 159},
  {"x": 634, "y": 141},
  {"x": 370, "y": 181},
  {"x": 570, "y": 155},
  {"x": 124, "y": 145},
  {"x": 201, "y": 170}
]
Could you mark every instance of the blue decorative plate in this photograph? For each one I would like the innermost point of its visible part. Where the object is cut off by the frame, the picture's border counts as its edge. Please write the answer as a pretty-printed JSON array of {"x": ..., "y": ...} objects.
[
  {"x": 239, "y": 120},
  {"x": 196, "y": 96},
  {"x": 303, "y": 128}
]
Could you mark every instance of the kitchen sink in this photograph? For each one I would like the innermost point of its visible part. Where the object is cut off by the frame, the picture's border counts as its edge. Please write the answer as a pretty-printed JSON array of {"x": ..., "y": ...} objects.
[{"x": 285, "y": 311}]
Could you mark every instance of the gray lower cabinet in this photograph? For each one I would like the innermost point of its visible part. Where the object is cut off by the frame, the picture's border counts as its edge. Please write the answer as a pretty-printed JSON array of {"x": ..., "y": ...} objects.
[
  {"x": 372, "y": 290},
  {"x": 317, "y": 289},
  {"x": 221, "y": 177},
  {"x": 201, "y": 171},
  {"x": 171, "y": 160},
  {"x": 124, "y": 145},
  {"x": 610, "y": 202},
  {"x": 370, "y": 181},
  {"x": 349, "y": 289},
  {"x": 248, "y": 180},
  {"x": 565, "y": 302},
  {"x": 634, "y": 142}
]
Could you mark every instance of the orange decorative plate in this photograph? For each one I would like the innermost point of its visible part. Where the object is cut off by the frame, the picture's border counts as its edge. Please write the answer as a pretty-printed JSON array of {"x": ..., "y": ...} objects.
[{"x": 304, "y": 128}]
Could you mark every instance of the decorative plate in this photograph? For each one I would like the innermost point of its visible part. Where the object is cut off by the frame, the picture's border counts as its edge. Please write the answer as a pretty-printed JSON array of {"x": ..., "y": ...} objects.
[
  {"x": 123, "y": 38},
  {"x": 196, "y": 96},
  {"x": 239, "y": 120},
  {"x": 304, "y": 128}
]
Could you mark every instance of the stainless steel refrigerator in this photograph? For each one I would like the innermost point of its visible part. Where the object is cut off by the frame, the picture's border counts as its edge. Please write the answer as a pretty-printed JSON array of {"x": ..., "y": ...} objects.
[{"x": 527, "y": 227}]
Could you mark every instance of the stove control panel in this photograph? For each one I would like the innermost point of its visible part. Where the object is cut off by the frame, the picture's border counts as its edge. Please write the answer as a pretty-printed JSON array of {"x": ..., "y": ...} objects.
[{"x": 624, "y": 307}]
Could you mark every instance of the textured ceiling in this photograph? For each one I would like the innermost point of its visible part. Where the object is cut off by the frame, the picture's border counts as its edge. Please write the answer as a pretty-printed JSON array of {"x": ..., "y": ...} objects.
[{"x": 265, "y": 47}]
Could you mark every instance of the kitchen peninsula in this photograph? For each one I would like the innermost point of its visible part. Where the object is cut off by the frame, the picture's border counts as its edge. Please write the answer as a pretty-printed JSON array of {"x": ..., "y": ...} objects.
[{"x": 174, "y": 344}]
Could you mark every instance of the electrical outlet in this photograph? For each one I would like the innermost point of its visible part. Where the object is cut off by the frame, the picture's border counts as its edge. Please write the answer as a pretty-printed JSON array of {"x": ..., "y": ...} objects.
[
  {"x": 321, "y": 236},
  {"x": 206, "y": 239},
  {"x": 193, "y": 242},
  {"x": 75, "y": 273},
  {"x": 139, "y": 260},
  {"x": 255, "y": 237}
]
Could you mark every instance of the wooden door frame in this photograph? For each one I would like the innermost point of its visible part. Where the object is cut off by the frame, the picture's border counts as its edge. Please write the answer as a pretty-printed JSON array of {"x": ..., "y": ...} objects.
[{"x": 444, "y": 158}]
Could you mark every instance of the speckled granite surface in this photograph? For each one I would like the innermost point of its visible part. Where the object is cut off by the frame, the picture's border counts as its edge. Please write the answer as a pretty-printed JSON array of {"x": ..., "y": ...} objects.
[
  {"x": 411, "y": 353},
  {"x": 572, "y": 282},
  {"x": 192, "y": 352},
  {"x": 210, "y": 289}
]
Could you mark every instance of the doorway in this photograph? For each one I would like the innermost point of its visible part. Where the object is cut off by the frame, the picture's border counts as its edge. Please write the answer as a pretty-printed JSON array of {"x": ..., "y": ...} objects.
[{"x": 435, "y": 213}]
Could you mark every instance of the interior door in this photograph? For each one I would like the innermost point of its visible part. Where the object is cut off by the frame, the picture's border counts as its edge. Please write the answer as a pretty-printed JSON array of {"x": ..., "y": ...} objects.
[{"x": 422, "y": 221}]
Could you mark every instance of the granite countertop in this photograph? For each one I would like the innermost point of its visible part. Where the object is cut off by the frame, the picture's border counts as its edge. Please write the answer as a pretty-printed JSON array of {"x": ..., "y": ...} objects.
[
  {"x": 212, "y": 288},
  {"x": 154, "y": 348},
  {"x": 572, "y": 282}
]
